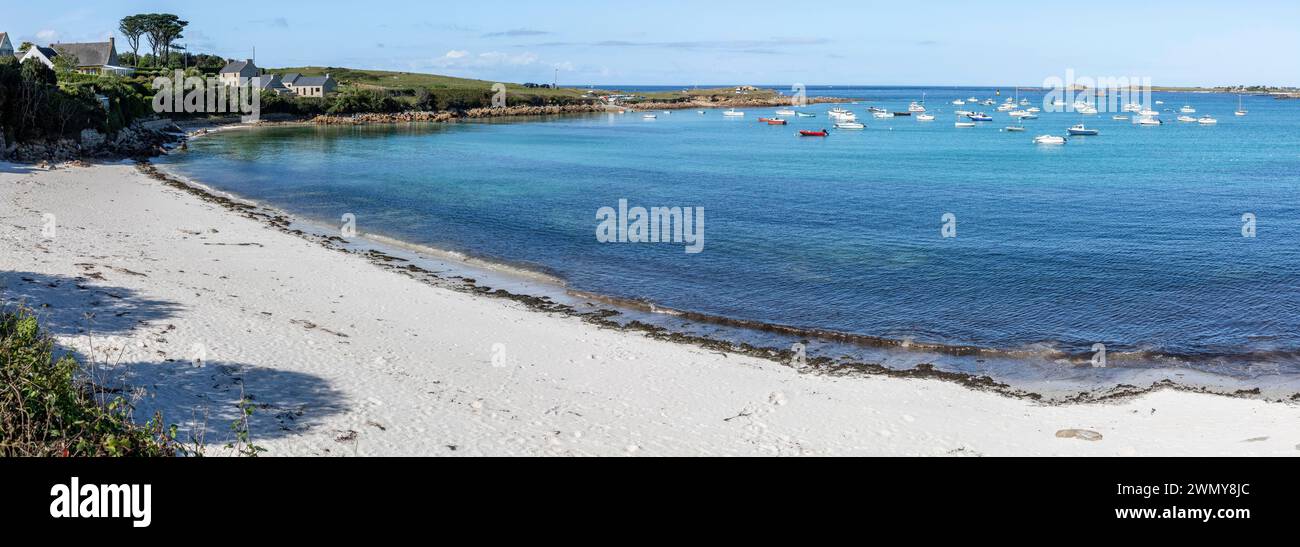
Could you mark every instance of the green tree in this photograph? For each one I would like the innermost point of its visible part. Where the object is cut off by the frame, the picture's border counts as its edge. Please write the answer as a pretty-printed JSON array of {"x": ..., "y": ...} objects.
[{"x": 134, "y": 27}]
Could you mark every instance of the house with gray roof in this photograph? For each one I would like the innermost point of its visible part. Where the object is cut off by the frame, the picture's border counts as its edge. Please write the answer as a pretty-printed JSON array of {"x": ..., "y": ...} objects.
[
  {"x": 90, "y": 58},
  {"x": 311, "y": 86},
  {"x": 239, "y": 73},
  {"x": 6, "y": 47}
]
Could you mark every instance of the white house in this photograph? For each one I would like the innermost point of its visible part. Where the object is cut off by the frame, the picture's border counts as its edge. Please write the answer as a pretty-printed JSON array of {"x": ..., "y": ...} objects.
[
  {"x": 91, "y": 58},
  {"x": 239, "y": 73},
  {"x": 309, "y": 86},
  {"x": 6, "y": 47}
]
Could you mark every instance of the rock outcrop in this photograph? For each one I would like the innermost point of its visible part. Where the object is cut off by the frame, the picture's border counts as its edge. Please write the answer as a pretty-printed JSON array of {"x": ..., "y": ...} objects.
[{"x": 141, "y": 139}]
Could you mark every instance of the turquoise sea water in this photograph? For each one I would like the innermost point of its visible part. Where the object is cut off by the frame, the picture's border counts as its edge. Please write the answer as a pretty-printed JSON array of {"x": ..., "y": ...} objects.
[{"x": 1132, "y": 239}]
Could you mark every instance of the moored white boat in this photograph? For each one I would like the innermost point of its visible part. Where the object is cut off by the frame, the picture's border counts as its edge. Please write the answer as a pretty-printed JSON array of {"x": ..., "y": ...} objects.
[
  {"x": 853, "y": 126},
  {"x": 1049, "y": 139},
  {"x": 734, "y": 114},
  {"x": 965, "y": 125},
  {"x": 1150, "y": 121},
  {"x": 1207, "y": 120},
  {"x": 1083, "y": 131},
  {"x": 925, "y": 118},
  {"x": 1187, "y": 110},
  {"x": 786, "y": 112},
  {"x": 1187, "y": 119}
]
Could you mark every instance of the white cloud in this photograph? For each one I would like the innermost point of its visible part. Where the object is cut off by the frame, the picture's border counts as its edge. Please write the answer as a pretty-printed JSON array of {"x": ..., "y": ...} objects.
[
  {"x": 491, "y": 59},
  {"x": 49, "y": 36}
]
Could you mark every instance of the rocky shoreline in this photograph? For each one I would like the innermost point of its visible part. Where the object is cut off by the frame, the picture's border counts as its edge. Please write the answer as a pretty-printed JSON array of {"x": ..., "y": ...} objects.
[
  {"x": 518, "y": 111},
  {"x": 143, "y": 139}
]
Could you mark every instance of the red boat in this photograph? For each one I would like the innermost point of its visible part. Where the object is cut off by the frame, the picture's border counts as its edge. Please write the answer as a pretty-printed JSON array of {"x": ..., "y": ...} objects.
[
  {"x": 822, "y": 133},
  {"x": 765, "y": 120},
  {"x": 777, "y": 121}
]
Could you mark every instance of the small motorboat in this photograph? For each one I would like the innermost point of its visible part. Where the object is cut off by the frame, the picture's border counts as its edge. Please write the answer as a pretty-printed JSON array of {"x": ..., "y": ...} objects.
[
  {"x": 963, "y": 112},
  {"x": 1120, "y": 118},
  {"x": 1187, "y": 109},
  {"x": 852, "y": 126},
  {"x": 733, "y": 114},
  {"x": 1015, "y": 129},
  {"x": 1187, "y": 119},
  {"x": 1207, "y": 120},
  {"x": 1006, "y": 107},
  {"x": 925, "y": 118},
  {"x": 822, "y": 133},
  {"x": 701, "y": 112},
  {"x": 765, "y": 120},
  {"x": 916, "y": 107},
  {"x": 650, "y": 117},
  {"x": 959, "y": 102},
  {"x": 786, "y": 112},
  {"x": 1083, "y": 131},
  {"x": 979, "y": 117},
  {"x": 1034, "y": 110},
  {"x": 807, "y": 115},
  {"x": 1148, "y": 121},
  {"x": 972, "y": 100},
  {"x": 903, "y": 114},
  {"x": 1049, "y": 139},
  {"x": 965, "y": 125},
  {"x": 876, "y": 110},
  {"x": 883, "y": 115},
  {"x": 1087, "y": 110},
  {"x": 776, "y": 121}
]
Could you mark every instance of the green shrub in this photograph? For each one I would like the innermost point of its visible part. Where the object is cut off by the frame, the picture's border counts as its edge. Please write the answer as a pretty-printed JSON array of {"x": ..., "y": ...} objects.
[{"x": 48, "y": 410}]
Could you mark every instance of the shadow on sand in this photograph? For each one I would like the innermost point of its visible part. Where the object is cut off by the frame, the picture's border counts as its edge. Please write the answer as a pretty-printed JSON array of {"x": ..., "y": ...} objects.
[
  {"x": 68, "y": 306},
  {"x": 202, "y": 398}
]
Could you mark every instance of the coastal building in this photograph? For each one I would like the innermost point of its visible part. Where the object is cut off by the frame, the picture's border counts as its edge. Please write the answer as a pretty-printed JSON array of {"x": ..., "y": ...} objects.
[
  {"x": 90, "y": 58},
  {"x": 6, "y": 47},
  {"x": 239, "y": 73},
  {"x": 309, "y": 86}
]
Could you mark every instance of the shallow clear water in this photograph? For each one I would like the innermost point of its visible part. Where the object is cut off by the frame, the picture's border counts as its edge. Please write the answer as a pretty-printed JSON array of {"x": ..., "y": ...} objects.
[{"x": 1132, "y": 239}]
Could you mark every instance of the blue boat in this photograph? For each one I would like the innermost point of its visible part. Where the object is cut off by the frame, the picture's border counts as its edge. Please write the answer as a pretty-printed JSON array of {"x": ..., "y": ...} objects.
[{"x": 979, "y": 117}]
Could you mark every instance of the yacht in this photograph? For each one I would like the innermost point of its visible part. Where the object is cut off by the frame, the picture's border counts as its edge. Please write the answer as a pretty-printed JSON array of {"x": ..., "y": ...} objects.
[
  {"x": 1187, "y": 119},
  {"x": 1207, "y": 120},
  {"x": 1049, "y": 139},
  {"x": 1150, "y": 121},
  {"x": 855, "y": 126},
  {"x": 916, "y": 107},
  {"x": 1005, "y": 107},
  {"x": 1133, "y": 107},
  {"x": 883, "y": 115},
  {"x": 1241, "y": 108},
  {"x": 1087, "y": 110}
]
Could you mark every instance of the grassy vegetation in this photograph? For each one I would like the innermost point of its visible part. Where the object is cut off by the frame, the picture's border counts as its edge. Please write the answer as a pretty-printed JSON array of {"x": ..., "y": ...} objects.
[
  {"x": 409, "y": 83},
  {"x": 48, "y": 409}
]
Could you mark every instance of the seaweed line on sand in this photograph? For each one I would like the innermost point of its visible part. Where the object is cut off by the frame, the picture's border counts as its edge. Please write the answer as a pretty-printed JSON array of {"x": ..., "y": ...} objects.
[{"x": 603, "y": 318}]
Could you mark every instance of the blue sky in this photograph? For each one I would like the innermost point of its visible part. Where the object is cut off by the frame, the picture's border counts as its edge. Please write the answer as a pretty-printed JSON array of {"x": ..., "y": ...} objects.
[{"x": 679, "y": 42}]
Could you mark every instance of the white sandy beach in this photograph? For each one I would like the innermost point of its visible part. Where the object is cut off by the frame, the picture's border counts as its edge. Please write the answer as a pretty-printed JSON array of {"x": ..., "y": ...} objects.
[{"x": 346, "y": 358}]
